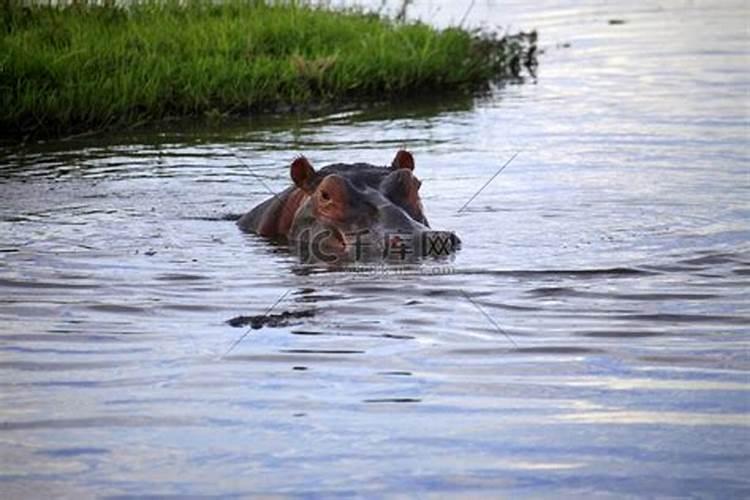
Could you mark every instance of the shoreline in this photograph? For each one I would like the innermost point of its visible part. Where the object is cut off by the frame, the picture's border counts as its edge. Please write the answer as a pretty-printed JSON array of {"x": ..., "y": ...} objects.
[{"x": 87, "y": 68}]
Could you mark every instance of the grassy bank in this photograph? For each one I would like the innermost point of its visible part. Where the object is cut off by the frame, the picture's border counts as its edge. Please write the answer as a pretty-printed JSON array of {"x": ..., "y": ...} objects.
[{"x": 64, "y": 70}]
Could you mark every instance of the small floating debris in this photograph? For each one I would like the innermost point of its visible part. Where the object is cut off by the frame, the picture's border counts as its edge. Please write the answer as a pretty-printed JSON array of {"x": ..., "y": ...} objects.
[
  {"x": 270, "y": 320},
  {"x": 613, "y": 22}
]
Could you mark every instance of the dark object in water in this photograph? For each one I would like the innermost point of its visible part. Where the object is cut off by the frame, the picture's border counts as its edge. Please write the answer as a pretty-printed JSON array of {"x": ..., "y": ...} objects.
[{"x": 271, "y": 320}]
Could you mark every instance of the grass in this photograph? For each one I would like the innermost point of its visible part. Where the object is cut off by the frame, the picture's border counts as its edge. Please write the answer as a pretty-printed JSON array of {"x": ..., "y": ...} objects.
[{"x": 84, "y": 67}]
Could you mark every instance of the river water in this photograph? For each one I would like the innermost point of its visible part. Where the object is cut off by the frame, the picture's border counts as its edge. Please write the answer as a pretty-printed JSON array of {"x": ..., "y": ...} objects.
[{"x": 590, "y": 338}]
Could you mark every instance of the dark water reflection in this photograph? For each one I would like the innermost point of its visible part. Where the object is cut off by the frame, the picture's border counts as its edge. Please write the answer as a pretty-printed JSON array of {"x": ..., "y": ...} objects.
[{"x": 590, "y": 337}]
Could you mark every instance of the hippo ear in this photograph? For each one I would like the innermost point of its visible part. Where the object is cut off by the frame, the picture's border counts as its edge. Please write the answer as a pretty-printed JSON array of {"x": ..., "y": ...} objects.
[
  {"x": 403, "y": 159},
  {"x": 302, "y": 173}
]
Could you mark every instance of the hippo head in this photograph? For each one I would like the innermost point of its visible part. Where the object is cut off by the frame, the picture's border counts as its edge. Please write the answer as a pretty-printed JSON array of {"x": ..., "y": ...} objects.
[{"x": 361, "y": 211}]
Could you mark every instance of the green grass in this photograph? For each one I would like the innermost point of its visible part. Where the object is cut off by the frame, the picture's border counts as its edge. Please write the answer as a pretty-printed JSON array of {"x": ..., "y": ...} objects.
[{"x": 85, "y": 67}]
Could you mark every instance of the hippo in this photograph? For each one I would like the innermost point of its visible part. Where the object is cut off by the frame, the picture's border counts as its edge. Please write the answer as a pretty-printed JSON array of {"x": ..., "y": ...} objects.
[{"x": 351, "y": 211}]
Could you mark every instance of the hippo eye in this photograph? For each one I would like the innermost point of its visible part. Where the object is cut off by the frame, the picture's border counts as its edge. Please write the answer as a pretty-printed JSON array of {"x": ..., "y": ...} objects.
[
  {"x": 325, "y": 195},
  {"x": 418, "y": 183}
]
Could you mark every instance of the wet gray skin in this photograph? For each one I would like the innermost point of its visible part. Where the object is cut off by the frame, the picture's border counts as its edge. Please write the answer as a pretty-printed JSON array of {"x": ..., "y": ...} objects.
[{"x": 352, "y": 212}]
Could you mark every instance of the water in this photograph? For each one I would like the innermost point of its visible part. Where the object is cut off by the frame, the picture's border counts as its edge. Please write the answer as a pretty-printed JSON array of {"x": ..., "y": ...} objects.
[{"x": 589, "y": 339}]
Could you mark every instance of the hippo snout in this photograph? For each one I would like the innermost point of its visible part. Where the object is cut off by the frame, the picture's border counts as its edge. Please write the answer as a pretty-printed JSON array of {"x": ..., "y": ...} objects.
[
  {"x": 400, "y": 245},
  {"x": 426, "y": 243}
]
